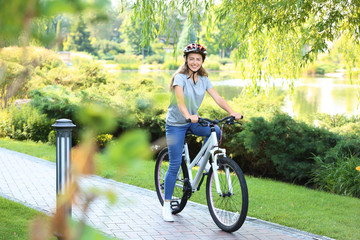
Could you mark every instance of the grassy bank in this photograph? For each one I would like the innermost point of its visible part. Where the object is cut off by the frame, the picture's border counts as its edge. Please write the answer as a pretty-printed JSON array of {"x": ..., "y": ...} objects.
[
  {"x": 286, "y": 204},
  {"x": 15, "y": 219}
]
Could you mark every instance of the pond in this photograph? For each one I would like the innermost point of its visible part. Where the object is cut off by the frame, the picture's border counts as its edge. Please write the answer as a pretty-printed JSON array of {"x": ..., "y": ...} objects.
[{"x": 332, "y": 95}]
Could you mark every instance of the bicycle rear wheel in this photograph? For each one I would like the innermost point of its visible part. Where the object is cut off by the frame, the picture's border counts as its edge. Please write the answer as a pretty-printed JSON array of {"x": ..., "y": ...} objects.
[
  {"x": 228, "y": 209},
  {"x": 179, "y": 198}
]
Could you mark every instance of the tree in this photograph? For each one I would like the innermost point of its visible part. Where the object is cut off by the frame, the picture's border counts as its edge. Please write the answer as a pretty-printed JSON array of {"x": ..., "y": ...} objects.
[
  {"x": 130, "y": 32},
  {"x": 188, "y": 35},
  {"x": 277, "y": 38},
  {"x": 79, "y": 38}
]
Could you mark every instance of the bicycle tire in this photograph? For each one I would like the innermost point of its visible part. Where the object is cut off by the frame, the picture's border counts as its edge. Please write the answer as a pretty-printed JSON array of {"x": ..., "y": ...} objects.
[
  {"x": 161, "y": 167},
  {"x": 228, "y": 210}
]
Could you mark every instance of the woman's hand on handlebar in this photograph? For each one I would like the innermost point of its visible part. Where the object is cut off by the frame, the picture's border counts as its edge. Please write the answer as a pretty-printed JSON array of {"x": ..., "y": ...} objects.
[
  {"x": 193, "y": 118},
  {"x": 237, "y": 116}
]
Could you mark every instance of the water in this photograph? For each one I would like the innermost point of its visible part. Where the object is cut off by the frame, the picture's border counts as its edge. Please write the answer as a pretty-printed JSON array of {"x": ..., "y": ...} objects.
[{"x": 332, "y": 95}]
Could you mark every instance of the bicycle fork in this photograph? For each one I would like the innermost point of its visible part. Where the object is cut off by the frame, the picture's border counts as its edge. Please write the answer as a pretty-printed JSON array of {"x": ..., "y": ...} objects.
[{"x": 215, "y": 163}]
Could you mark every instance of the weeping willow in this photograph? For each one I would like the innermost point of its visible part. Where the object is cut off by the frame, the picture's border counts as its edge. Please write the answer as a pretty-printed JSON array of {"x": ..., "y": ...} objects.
[{"x": 275, "y": 38}]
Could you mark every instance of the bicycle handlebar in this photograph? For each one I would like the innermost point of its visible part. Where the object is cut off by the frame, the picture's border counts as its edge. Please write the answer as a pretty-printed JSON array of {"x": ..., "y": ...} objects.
[{"x": 230, "y": 120}]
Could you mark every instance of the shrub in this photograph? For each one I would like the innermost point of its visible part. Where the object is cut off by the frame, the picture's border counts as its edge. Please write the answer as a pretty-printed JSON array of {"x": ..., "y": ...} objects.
[
  {"x": 52, "y": 137},
  {"x": 155, "y": 59},
  {"x": 13, "y": 79},
  {"x": 171, "y": 65},
  {"x": 332, "y": 121},
  {"x": 28, "y": 123},
  {"x": 340, "y": 176},
  {"x": 106, "y": 48},
  {"x": 103, "y": 139},
  {"x": 345, "y": 147},
  {"x": 31, "y": 56},
  {"x": 224, "y": 61},
  {"x": 212, "y": 65},
  {"x": 55, "y": 101},
  {"x": 281, "y": 148},
  {"x": 91, "y": 74}
]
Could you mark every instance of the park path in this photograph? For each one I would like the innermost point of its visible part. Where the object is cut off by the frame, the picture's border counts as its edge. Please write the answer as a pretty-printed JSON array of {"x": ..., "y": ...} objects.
[{"x": 136, "y": 215}]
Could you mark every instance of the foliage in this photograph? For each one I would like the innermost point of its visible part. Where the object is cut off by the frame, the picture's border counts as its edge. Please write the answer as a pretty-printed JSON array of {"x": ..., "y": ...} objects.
[
  {"x": 26, "y": 123},
  {"x": 16, "y": 67},
  {"x": 55, "y": 101},
  {"x": 108, "y": 49},
  {"x": 128, "y": 62},
  {"x": 171, "y": 65},
  {"x": 340, "y": 176},
  {"x": 103, "y": 139},
  {"x": 155, "y": 59},
  {"x": 281, "y": 147},
  {"x": 17, "y": 18},
  {"x": 333, "y": 121},
  {"x": 211, "y": 65},
  {"x": 79, "y": 38},
  {"x": 187, "y": 36},
  {"x": 130, "y": 32},
  {"x": 276, "y": 38}
]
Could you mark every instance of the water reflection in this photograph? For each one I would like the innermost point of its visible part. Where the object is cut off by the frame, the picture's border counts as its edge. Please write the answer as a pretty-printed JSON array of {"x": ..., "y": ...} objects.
[{"x": 310, "y": 96}]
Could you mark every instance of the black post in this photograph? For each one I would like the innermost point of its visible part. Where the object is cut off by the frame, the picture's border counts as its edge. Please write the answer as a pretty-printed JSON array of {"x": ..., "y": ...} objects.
[{"x": 63, "y": 147}]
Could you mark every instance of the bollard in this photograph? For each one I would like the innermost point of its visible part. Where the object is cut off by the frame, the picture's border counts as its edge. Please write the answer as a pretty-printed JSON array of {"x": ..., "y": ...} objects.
[{"x": 63, "y": 129}]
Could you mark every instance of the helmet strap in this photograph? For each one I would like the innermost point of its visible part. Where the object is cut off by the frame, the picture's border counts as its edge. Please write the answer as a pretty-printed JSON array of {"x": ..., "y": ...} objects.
[{"x": 193, "y": 73}]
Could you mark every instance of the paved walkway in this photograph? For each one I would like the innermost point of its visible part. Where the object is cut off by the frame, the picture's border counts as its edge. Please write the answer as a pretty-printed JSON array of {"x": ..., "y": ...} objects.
[{"x": 136, "y": 215}]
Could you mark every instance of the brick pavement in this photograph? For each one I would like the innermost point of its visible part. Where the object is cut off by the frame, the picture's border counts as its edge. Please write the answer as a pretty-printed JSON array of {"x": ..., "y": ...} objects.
[{"x": 136, "y": 214}]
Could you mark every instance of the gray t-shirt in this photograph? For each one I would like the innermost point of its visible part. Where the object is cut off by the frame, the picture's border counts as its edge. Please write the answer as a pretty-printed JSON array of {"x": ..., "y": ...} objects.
[{"x": 193, "y": 97}]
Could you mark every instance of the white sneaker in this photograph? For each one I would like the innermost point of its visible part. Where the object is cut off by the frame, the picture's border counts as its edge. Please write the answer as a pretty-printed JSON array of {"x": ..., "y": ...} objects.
[{"x": 167, "y": 212}]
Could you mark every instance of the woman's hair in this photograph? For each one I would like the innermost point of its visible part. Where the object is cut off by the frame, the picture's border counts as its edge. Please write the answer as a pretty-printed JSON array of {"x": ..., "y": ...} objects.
[{"x": 184, "y": 70}]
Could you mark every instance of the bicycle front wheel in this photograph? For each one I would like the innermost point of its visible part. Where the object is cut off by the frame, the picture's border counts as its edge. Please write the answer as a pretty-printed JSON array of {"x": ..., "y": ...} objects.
[
  {"x": 229, "y": 208},
  {"x": 179, "y": 198}
]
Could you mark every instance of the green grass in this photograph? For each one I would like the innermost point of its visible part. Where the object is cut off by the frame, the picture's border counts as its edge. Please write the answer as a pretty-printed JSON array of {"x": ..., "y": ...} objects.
[
  {"x": 290, "y": 205},
  {"x": 286, "y": 204},
  {"x": 40, "y": 150},
  {"x": 15, "y": 219}
]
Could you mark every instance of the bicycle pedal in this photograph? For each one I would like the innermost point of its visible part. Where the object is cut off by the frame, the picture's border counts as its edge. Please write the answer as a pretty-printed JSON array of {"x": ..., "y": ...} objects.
[{"x": 174, "y": 204}]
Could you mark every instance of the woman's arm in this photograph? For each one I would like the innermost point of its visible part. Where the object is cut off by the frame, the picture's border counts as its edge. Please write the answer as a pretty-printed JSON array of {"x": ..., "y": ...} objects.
[
  {"x": 223, "y": 104},
  {"x": 179, "y": 93}
]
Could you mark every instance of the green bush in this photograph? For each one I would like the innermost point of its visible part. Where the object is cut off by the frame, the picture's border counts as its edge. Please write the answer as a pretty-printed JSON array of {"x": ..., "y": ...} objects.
[
  {"x": 280, "y": 148},
  {"x": 155, "y": 59},
  {"x": 340, "y": 177},
  {"x": 31, "y": 56},
  {"x": 332, "y": 121},
  {"x": 5, "y": 126},
  {"x": 103, "y": 139},
  {"x": 106, "y": 48},
  {"x": 55, "y": 101},
  {"x": 212, "y": 65},
  {"x": 345, "y": 147},
  {"x": 28, "y": 123},
  {"x": 52, "y": 137},
  {"x": 91, "y": 75},
  {"x": 170, "y": 65},
  {"x": 225, "y": 61},
  {"x": 128, "y": 62}
]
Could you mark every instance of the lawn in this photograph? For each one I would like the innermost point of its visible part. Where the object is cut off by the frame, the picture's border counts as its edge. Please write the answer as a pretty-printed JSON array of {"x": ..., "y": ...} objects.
[
  {"x": 283, "y": 203},
  {"x": 15, "y": 219}
]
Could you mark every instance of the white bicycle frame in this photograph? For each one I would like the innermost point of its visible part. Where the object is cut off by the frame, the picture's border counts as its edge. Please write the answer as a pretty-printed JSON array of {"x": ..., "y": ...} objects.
[{"x": 209, "y": 149}]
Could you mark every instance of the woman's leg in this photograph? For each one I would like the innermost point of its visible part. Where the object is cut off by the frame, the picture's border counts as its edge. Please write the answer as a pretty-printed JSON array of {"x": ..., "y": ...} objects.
[
  {"x": 175, "y": 137},
  {"x": 199, "y": 130}
]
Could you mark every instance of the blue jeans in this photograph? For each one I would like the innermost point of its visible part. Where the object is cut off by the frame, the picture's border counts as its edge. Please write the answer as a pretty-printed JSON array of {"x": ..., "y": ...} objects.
[{"x": 175, "y": 137}]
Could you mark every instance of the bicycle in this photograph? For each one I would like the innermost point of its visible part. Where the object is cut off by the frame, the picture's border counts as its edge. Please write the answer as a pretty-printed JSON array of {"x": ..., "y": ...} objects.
[{"x": 226, "y": 189}]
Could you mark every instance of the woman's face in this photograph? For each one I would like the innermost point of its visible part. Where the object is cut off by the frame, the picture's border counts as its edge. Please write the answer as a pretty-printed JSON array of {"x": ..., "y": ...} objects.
[{"x": 194, "y": 61}]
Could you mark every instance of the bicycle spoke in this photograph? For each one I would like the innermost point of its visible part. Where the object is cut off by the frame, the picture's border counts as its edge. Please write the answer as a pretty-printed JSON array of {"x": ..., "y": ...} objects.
[{"x": 228, "y": 209}]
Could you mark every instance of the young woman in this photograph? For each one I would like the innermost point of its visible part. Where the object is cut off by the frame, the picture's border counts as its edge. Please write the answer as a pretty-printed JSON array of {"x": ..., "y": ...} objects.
[{"x": 188, "y": 87}]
